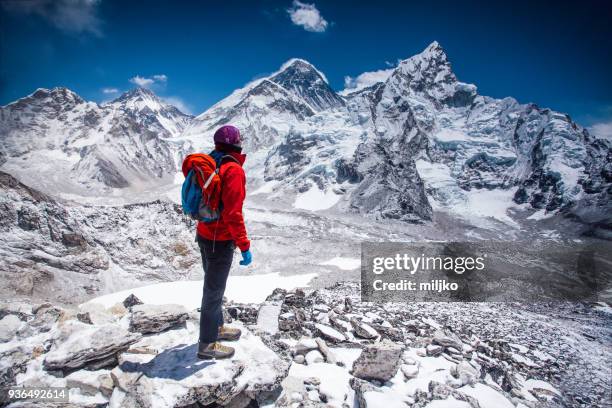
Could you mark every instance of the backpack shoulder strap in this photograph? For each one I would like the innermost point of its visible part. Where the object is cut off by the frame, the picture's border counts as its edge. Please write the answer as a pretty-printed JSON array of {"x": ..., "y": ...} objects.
[{"x": 229, "y": 156}]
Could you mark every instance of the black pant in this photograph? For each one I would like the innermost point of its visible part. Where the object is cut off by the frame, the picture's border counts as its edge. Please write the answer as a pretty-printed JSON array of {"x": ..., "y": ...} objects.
[{"x": 217, "y": 259}]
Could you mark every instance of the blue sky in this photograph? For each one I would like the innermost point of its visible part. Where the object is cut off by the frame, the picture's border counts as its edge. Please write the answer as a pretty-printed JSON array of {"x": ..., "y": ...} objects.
[{"x": 556, "y": 54}]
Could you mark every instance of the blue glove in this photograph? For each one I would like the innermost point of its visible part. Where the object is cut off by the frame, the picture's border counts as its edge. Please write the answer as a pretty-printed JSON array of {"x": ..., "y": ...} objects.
[{"x": 247, "y": 258}]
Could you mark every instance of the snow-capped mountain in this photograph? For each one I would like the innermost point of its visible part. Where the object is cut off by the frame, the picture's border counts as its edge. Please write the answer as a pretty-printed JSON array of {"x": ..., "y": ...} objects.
[
  {"x": 266, "y": 109},
  {"x": 56, "y": 141},
  {"x": 418, "y": 143},
  {"x": 424, "y": 141},
  {"x": 306, "y": 82},
  {"x": 162, "y": 117}
]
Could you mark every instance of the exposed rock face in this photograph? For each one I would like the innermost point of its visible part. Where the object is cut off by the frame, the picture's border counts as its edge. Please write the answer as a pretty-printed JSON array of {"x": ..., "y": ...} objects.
[
  {"x": 95, "y": 347},
  {"x": 156, "y": 318},
  {"x": 303, "y": 80},
  {"x": 58, "y": 251},
  {"x": 378, "y": 362}
]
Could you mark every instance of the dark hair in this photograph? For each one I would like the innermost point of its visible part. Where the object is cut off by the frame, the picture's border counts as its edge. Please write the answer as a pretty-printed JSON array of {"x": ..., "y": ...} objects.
[{"x": 227, "y": 148}]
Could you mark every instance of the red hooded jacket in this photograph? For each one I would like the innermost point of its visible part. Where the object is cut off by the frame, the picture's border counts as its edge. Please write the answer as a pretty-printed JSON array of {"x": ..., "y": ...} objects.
[{"x": 230, "y": 226}]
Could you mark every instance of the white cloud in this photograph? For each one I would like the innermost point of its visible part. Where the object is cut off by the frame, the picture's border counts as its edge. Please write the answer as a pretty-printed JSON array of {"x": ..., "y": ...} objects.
[
  {"x": 307, "y": 16},
  {"x": 366, "y": 79},
  {"x": 145, "y": 82},
  {"x": 179, "y": 103},
  {"x": 602, "y": 130},
  {"x": 73, "y": 16},
  {"x": 108, "y": 91}
]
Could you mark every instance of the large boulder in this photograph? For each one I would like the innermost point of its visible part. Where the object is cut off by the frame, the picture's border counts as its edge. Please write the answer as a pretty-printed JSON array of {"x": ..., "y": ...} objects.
[
  {"x": 156, "y": 318},
  {"x": 379, "y": 361},
  {"x": 176, "y": 377},
  {"x": 92, "y": 347}
]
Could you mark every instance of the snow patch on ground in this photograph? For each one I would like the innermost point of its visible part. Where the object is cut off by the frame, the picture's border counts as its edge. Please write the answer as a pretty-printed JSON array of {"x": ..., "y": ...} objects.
[
  {"x": 486, "y": 396},
  {"x": 242, "y": 289},
  {"x": 316, "y": 200},
  {"x": 346, "y": 264},
  {"x": 476, "y": 206},
  {"x": 540, "y": 215}
]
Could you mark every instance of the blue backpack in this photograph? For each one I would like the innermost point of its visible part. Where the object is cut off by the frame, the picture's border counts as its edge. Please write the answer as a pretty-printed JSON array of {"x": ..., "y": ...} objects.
[{"x": 201, "y": 190}]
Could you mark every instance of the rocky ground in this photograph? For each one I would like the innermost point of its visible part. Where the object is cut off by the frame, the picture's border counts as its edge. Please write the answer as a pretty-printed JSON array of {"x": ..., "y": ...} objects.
[{"x": 314, "y": 349}]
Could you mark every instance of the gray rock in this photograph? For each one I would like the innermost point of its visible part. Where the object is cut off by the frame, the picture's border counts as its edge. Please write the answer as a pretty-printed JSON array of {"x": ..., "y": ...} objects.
[
  {"x": 13, "y": 361},
  {"x": 46, "y": 317},
  {"x": 465, "y": 373},
  {"x": 21, "y": 310},
  {"x": 304, "y": 345},
  {"x": 447, "y": 340},
  {"x": 131, "y": 300},
  {"x": 9, "y": 325},
  {"x": 90, "y": 347},
  {"x": 439, "y": 390},
  {"x": 329, "y": 333},
  {"x": 91, "y": 382},
  {"x": 361, "y": 387},
  {"x": 327, "y": 353},
  {"x": 156, "y": 318},
  {"x": 84, "y": 317},
  {"x": 363, "y": 330},
  {"x": 434, "y": 350},
  {"x": 378, "y": 362}
]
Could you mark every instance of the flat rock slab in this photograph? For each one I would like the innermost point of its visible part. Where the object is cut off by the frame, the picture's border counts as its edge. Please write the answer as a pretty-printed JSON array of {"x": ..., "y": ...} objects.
[
  {"x": 176, "y": 377},
  {"x": 267, "y": 317},
  {"x": 147, "y": 319},
  {"x": 91, "y": 347}
]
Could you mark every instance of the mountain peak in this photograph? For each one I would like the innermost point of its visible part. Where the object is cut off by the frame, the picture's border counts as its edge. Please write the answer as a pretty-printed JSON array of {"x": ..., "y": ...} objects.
[
  {"x": 433, "y": 54},
  {"x": 135, "y": 93},
  {"x": 302, "y": 66},
  {"x": 60, "y": 96},
  {"x": 434, "y": 46},
  {"x": 57, "y": 93},
  {"x": 301, "y": 78}
]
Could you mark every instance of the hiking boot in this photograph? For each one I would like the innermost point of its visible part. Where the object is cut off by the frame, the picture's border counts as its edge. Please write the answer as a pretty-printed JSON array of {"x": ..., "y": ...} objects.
[
  {"x": 228, "y": 333},
  {"x": 214, "y": 351}
]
